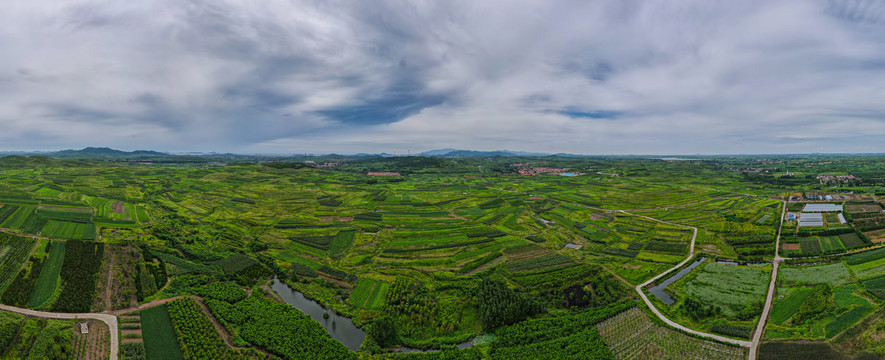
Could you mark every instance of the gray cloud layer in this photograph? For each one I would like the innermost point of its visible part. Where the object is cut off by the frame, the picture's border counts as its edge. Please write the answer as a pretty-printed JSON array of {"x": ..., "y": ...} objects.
[{"x": 595, "y": 77}]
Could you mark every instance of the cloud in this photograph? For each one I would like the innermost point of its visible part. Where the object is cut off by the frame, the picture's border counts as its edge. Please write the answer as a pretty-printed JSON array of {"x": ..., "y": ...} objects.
[{"x": 294, "y": 76}]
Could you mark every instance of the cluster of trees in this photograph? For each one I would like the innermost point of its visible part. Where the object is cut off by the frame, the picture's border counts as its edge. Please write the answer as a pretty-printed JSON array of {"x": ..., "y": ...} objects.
[
  {"x": 132, "y": 351},
  {"x": 602, "y": 290},
  {"x": 224, "y": 291},
  {"x": 499, "y": 305},
  {"x": 9, "y": 325},
  {"x": 698, "y": 310},
  {"x": 78, "y": 274},
  {"x": 19, "y": 291},
  {"x": 750, "y": 312},
  {"x": 411, "y": 305},
  {"x": 286, "y": 331},
  {"x": 150, "y": 277},
  {"x": 196, "y": 334},
  {"x": 817, "y": 305},
  {"x": 565, "y": 336},
  {"x": 52, "y": 343}
]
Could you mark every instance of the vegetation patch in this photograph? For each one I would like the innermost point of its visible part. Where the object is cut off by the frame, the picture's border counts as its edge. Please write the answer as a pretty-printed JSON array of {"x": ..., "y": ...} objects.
[{"x": 160, "y": 342}]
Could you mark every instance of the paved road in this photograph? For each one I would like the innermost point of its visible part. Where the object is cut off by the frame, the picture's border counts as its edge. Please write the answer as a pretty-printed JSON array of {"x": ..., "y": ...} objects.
[
  {"x": 658, "y": 313},
  {"x": 769, "y": 298},
  {"x": 110, "y": 320}
]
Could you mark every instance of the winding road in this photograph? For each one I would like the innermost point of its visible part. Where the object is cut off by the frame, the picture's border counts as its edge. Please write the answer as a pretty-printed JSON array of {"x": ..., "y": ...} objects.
[
  {"x": 687, "y": 259},
  {"x": 108, "y": 319}
]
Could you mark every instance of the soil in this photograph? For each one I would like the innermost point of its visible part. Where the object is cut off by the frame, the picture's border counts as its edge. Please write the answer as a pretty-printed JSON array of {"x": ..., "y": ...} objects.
[
  {"x": 117, "y": 278},
  {"x": 118, "y": 207},
  {"x": 97, "y": 341},
  {"x": 789, "y": 246}
]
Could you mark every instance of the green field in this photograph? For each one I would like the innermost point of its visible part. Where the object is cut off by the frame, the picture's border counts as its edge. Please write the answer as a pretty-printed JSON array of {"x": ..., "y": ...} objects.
[
  {"x": 834, "y": 274},
  {"x": 869, "y": 269},
  {"x": 785, "y": 308},
  {"x": 729, "y": 287},
  {"x": 48, "y": 282},
  {"x": 369, "y": 293},
  {"x": 451, "y": 249},
  {"x": 160, "y": 342}
]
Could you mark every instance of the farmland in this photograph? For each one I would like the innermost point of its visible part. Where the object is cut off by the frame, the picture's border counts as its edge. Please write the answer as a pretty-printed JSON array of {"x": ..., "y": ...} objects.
[
  {"x": 159, "y": 335},
  {"x": 631, "y": 335},
  {"x": 817, "y": 302},
  {"x": 47, "y": 282},
  {"x": 418, "y": 255}
]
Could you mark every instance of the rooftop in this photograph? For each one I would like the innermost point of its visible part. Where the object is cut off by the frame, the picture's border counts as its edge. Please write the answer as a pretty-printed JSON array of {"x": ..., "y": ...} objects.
[{"x": 821, "y": 208}]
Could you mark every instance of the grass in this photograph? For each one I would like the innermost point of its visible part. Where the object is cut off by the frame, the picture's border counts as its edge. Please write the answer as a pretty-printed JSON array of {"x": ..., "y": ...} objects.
[
  {"x": 48, "y": 281},
  {"x": 160, "y": 342},
  {"x": 783, "y": 310}
]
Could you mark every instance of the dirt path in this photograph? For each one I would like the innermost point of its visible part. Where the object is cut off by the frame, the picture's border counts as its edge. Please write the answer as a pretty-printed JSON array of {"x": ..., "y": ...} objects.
[
  {"x": 218, "y": 327},
  {"x": 108, "y": 288},
  {"x": 149, "y": 305}
]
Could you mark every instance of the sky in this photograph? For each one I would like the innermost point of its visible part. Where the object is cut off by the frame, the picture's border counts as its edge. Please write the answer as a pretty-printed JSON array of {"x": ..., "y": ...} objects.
[{"x": 584, "y": 76}]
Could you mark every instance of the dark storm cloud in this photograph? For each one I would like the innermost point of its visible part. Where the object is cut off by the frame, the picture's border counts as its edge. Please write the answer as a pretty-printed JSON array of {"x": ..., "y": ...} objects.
[{"x": 351, "y": 76}]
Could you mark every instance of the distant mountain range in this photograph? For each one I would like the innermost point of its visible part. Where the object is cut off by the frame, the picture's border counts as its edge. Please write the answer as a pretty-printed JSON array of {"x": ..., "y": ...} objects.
[
  {"x": 104, "y": 151},
  {"x": 474, "y": 153},
  {"x": 108, "y": 152}
]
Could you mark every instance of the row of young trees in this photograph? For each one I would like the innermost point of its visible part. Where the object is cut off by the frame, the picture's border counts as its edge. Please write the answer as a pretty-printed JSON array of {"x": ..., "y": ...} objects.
[
  {"x": 196, "y": 335},
  {"x": 78, "y": 274}
]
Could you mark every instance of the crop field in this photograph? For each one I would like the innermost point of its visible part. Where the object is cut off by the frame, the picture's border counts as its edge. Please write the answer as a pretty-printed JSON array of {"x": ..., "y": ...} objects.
[
  {"x": 160, "y": 342},
  {"x": 784, "y": 309},
  {"x": 875, "y": 286},
  {"x": 47, "y": 283},
  {"x": 632, "y": 335},
  {"x": 833, "y": 274},
  {"x": 729, "y": 287},
  {"x": 819, "y": 312},
  {"x": 14, "y": 250},
  {"x": 869, "y": 269},
  {"x": 369, "y": 293},
  {"x": 856, "y": 209}
]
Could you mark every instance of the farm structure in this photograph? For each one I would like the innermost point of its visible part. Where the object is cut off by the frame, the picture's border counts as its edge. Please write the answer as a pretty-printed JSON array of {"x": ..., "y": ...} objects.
[
  {"x": 815, "y": 208},
  {"x": 811, "y": 220}
]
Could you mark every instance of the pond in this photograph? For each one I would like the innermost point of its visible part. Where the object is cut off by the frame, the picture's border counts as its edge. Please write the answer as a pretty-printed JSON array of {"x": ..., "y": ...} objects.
[
  {"x": 338, "y": 326},
  {"x": 658, "y": 290}
]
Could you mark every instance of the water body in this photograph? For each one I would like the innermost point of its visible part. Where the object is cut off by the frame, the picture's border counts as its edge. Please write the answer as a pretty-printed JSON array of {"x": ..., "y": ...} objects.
[
  {"x": 658, "y": 290},
  {"x": 338, "y": 326}
]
